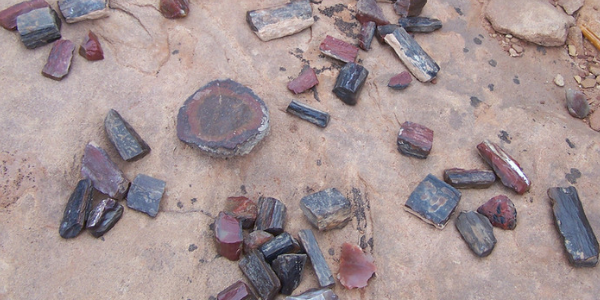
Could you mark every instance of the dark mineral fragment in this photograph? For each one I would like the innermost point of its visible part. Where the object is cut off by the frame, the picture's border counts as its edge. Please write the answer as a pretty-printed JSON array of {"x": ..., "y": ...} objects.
[
  {"x": 469, "y": 179},
  {"x": 349, "y": 83},
  {"x": 367, "y": 32},
  {"x": 288, "y": 268},
  {"x": 305, "y": 112},
  {"x": 477, "y": 231},
  {"x": 416, "y": 60},
  {"x": 504, "y": 166},
  {"x": 260, "y": 275},
  {"x": 79, "y": 10},
  {"x": 8, "y": 16},
  {"x": 104, "y": 173},
  {"x": 243, "y": 209},
  {"x": 314, "y": 294},
  {"x": 59, "y": 60},
  {"x": 271, "y": 215},
  {"x": 433, "y": 201},
  {"x": 77, "y": 210},
  {"x": 237, "y": 291},
  {"x": 145, "y": 194},
  {"x": 39, "y": 27},
  {"x": 310, "y": 246},
  {"x": 174, "y": 9},
  {"x": 500, "y": 211},
  {"x": 415, "y": 140},
  {"x": 356, "y": 267},
  {"x": 255, "y": 239},
  {"x": 223, "y": 119},
  {"x": 104, "y": 216},
  {"x": 126, "y": 140},
  {"x": 228, "y": 236},
  {"x": 327, "y": 209},
  {"x": 420, "y": 24},
  {"x": 577, "y": 104},
  {"x": 279, "y": 21},
  {"x": 400, "y": 81},
  {"x": 306, "y": 80},
  {"x": 382, "y": 31},
  {"x": 409, "y": 8},
  {"x": 281, "y": 244},
  {"x": 91, "y": 49},
  {"x": 369, "y": 11},
  {"x": 338, "y": 49},
  {"x": 571, "y": 222}
]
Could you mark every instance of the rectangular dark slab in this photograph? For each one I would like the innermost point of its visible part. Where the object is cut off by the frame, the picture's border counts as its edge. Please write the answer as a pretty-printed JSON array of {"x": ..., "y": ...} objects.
[
  {"x": 279, "y": 21},
  {"x": 311, "y": 247},
  {"x": 104, "y": 173},
  {"x": 327, "y": 209},
  {"x": 338, "y": 49},
  {"x": 77, "y": 210},
  {"x": 369, "y": 11},
  {"x": 469, "y": 179},
  {"x": 572, "y": 224},
  {"x": 261, "y": 276},
  {"x": 477, "y": 231},
  {"x": 415, "y": 140},
  {"x": 433, "y": 201},
  {"x": 349, "y": 83},
  {"x": 79, "y": 10},
  {"x": 8, "y": 16},
  {"x": 307, "y": 113},
  {"x": 271, "y": 215},
  {"x": 505, "y": 167},
  {"x": 416, "y": 60},
  {"x": 59, "y": 60},
  {"x": 145, "y": 194},
  {"x": 126, "y": 140},
  {"x": 39, "y": 27}
]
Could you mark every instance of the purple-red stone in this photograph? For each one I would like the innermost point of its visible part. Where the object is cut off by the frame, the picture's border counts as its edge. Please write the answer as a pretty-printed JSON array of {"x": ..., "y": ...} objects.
[
  {"x": 243, "y": 209},
  {"x": 368, "y": 10},
  {"x": 59, "y": 60},
  {"x": 228, "y": 235},
  {"x": 8, "y": 17},
  {"x": 256, "y": 239},
  {"x": 500, "y": 211},
  {"x": 174, "y": 9},
  {"x": 400, "y": 81},
  {"x": 306, "y": 80},
  {"x": 104, "y": 173},
  {"x": 415, "y": 140},
  {"x": 338, "y": 49},
  {"x": 367, "y": 32},
  {"x": 237, "y": 291},
  {"x": 356, "y": 268},
  {"x": 505, "y": 167},
  {"x": 577, "y": 104},
  {"x": 90, "y": 49}
]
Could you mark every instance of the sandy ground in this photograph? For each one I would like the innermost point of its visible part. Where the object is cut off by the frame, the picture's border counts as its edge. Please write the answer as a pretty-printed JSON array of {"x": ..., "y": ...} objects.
[{"x": 153, "y": 64}]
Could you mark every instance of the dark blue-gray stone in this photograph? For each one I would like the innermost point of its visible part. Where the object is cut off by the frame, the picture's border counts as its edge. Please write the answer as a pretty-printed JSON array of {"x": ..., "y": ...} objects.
[
  {"x": 281, "y": 244},
  {"x": 349, "y": 83},
  {"x": 77, "y": 210},
  {"x": 433, "y": 201},
  {"x": 145, "y": 194},
  {"x": 477, "y": 231},
  {"x": 39, "y": 27},
  {"x": 271, "y": 215},
  {"x": 126, "y": 140},
  {"x": 288, "y": 268},
  {"x": 327, "y": 209},
  {"x": 78, "y": 10},
  {"x": 311, "y": 247},
  {"x": 104, "y": 216},
  {"x": 420, "y": 24},
  {"x": 260, "y": 275},
  {"x": 305, "y": 112}
]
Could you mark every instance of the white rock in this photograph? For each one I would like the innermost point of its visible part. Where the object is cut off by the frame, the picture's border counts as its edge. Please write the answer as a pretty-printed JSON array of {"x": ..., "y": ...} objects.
[{"x": 559, "y": 80}]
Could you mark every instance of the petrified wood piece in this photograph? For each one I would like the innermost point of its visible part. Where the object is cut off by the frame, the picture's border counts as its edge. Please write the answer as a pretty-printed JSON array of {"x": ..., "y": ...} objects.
[
  {"x": 237, "y": 291},
  {"x": 409, "y": 8},
  {"x": 314, "y": 294},
  {"x": 281, "y": 244},
  {"x": 400, "y": 81},
  {"x": 260, "y": 275},
  {"x": 327, "y": 209},
  {"x": 477, "y": 231},
  {"x": 77, "y": 210},
  {"x": 174, "y": 9},
  {"x": 505, "y": 167},
  {"x": 338, "y": 49},
  {"x": 500, "y": 211},
  {"x": 305, "y": 112},
  {"x": 415, "y": 140},
  {"x": 311, "y": 247},
  {"x": 349, "y": 83},
  {"x": 79, "y": 10},
  {"x": 39, "y": 27},
  {"x": 8, "y": 16},
  {"x": 271, "y": 215},
  {"x": 416, "y": 60},
  {"x": 104, "y": 173},
  {"x": 369, "y": 11},
  {"x": 223, "y": 119},
  {"x": 367, "y": 32},
  {"x": 356, "y": 267},
  {"x": 255, "y": 239},
  {"x": 145, "y": 194},
  {"x": 59, "y": 60},
  {"x": 228, "y": 236},
  {"x": 383, "y": 30},
  {"x": 577, "y": 104},
  {"x": 306, "y": 80},
  {"x": 420, "y": 24},
  {"x": 288, "y": 268},
  {"x": 469, "y": 179},
  {"x": 279, "y": 21},
  {"x": 126, "y": 140},
  {"x": 91, "y": 49},
  {"x": 433, "y": 201},
  {"x": 104, "y": 216},
  {"x": 243, "y": 209}
]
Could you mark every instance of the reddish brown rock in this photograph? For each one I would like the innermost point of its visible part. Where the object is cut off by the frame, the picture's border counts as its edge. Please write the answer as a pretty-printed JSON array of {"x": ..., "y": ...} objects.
[
  {"x": 91, "y": 49},
  {"x": 500, "y": 211},
  {"x": 338, "y": 49},
  {"x": 505, "y": 167},
  {"x": 400, "y": 81},
  {"x": 409, "y": 8},
  {"x": 256, "y": 239},
  {"x": 367, "y": 32},
  {"x": 356, "y": 268},
  {"x": 243, "y": 209},
  {"x": 228, "y": 235},
  {"x": 369, "y": 11},
  {"x": 306, "y": 80},
  {"x": 415, "y": 140},
  {"x": 104, "y": 173},
  {"x": 237, "y": 291},
  {"x": 59, "y": 60},
  {"x": 174, "y": 9},
  {"x": 271, "y": 215},
  {"x": 8, "y": 17}
]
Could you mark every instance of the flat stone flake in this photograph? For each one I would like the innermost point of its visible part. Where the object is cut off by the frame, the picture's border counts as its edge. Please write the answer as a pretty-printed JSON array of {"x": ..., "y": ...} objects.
[
  {"x": 39, "y": 27},
  {"x": 506, "y": 168},
  {"x": 280, "y": 21},
  {"x": 400, "y": 81},
  {"x": 338, "y": 49},
  {"x": 255, "y": 239},
  {"x": 78, "y": 10},
  {"x": 243, "y": 209},
  {"x": 367, "y": 32},
  {"x": 91, "y": 49},
  {"x": 77, "y": 210},
  {"x": 477, "y": 231},
  {"x": 415, "y": 140},
  {"x": 281, "y": 244},
  {"x": 572, "y": 224},
  {"x": 433, "y": 201},
  {"x": 409, "y": 8},
  {"x": 349, "y": 83},
  {"x": 500, "y": 211},
  {"x": 271, "y": 215},
  {"x": 420, "y": 24},
  {"x": 469, "y": 179},
  {"x": 126, "y": 140},
  {"x": 104, "y": 216},
  {"x": 305, "y": 112},
  {"x": 327, "y": 209},
  {"x": 174, "y": 9},
  {"x": 311, "y": 247},
  {"x": 306, "y": 80},
  {"x": 369, "y": 11},
  {"x": 59, "y": 60},
  {"x": 237, "y": 291},
  {"x": 104, "y": 173},
  {"x": 145, "y": 194},
  {"x": 416, "y": 60},
  {"x": 8, "y": 16},
  {"x": 314, "y": 294},
  {"x": 260, "y": 275},
  {"x": 356, "y": 268},
  {"x": 288, "y": 268},
  {"x": 223, "y": 119},
  {"x": 228, "y": 236},
  {"x": 577, "y": 104}
]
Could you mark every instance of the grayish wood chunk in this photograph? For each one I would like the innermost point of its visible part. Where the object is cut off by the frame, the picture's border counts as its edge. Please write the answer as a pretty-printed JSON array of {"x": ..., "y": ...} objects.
[
  {"x": 433, "y": 201},
  {"x": 279, "y": 21},
  {"x": 104, "y": 173},
  {"x": 39, "y": 27},
  {"x": 271, "y": 215},
  {"x": 311, "y": 247},
  {"x": 314, "y": 294},
  {"x": 260, "y": 275},
  {"x": 145, "y": 194},
  {"x": 416, "y": 60},
  {"x": 128, "y": 142},
  {"x": 327, "y": 209},
  {"x": 79, "y": 10},
  {"x": 305, "y": 112},
  {"x": 477, "y": 231}
]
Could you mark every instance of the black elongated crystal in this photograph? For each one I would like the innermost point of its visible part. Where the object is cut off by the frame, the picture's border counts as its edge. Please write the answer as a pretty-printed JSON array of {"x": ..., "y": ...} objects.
[
  {"x": 571, "y": 222},
  {"x": 311, "y": 247},
  {"x": 288, "y": 268},
  {"x": 77, "y": 210},
  {"x": 349, "y": 83},
  {"x": 469, "y": 179},
  {"x": 271, "y": 215},
  {"x": 260, "y": 275},
  {"x": 305, "y": 112},
  {"x": 104, "y": 216},
  {"x": 477, "y": 231},
  {"x": 420, "y": 24},
  {"x": 281, "y": 244},
  {"x": 128, "y": 142}
]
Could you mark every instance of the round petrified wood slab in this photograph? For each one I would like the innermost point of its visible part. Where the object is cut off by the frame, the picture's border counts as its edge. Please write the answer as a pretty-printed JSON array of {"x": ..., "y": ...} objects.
[{"x": 223, "y": 118}]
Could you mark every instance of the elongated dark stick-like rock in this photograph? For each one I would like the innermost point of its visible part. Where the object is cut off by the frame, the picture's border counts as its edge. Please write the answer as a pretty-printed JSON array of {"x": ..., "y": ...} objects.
[
  {"x": 349, "y": 83},
  {"x": 280, "y": 21},
  {"x": 367, "y": 32},
  {"x": 469, "y": 179},
  {"x": 76, "y": 210},
  {"x": 260, "y": 275},
  {"x": 311, "y": 247},
  {"x": 506, "y": 167},
  {"x": 420, "y": 24},
  {"x": 128, "y": 142},
  {"x": 281, "y": 244},
  {"x": 416, "y": 60},
  {"x": 104, "y": 216},
  {"x": 305, "y": 112}
]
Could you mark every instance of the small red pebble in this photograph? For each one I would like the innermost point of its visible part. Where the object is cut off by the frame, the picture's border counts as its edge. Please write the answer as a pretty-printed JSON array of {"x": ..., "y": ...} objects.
[
  {"x": 400, "y": 81},
  {"x": 90, "y": 49},
  {"x": 306, "y": 80},
  {"x": 174, "y": 9},
  {"x": 500, "y": 211},
  {"x": 356, "y": 268},
  {"x": 243, "y": 209},
  {"x": 59, "y": 60}
]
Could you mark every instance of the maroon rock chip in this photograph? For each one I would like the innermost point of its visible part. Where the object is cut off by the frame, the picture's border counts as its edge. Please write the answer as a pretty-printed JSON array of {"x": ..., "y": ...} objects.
[
  {"x": 338, "y": 49},
  {"x": 256, "y": 239},
  {"x": 174, "y": 9},
  {"x": 59, "y": 60},
  {"x": 505, "y": 167},
  {"x": 306, "y": 80},
  {"x": 228, "y": 235},
  {"x": 400, "y": 81},
  {"x": 243, "y": 209},
  {"x": 356, "y": 268},
  {"x": 104, "y": 173},
  {"x": 8, "y": 17},
  {"x": 237, "y": 291},
  {"x": 367, "y": 32},
  {"x": 500, "y": 211},
  {"x": 91, "y": 49},
  {"x": 415, "y": 140},
  {"x": 368, "y": 10}
]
